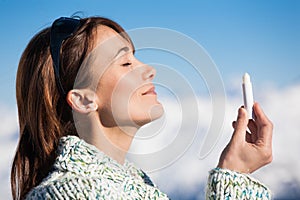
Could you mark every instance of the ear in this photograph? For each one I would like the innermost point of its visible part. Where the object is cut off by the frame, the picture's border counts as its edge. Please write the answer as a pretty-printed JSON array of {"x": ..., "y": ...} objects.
[{"x": 82, "y": 100}]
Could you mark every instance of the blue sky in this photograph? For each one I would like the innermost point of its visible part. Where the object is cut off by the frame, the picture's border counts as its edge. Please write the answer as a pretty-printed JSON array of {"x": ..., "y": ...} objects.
[{"x": 260, "y": 37}]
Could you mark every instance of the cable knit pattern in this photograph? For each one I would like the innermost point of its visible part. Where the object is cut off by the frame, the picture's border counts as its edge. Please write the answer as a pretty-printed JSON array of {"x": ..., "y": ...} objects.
[
  {"x": 81, "y": 171},
  {"x": 226, "y": 184}
]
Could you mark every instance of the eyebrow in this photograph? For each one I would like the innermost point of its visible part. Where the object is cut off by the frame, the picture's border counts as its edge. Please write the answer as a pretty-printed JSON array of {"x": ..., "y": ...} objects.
[{"x": 126, "y": 49}]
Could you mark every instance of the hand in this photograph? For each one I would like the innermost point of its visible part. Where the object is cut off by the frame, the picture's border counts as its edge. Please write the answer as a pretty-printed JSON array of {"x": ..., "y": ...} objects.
[{"x": 247, "y": 152}]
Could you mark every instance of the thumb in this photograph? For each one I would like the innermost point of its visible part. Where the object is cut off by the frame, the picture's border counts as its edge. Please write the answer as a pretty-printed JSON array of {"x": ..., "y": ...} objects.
[{"x": 240, "y": 126}]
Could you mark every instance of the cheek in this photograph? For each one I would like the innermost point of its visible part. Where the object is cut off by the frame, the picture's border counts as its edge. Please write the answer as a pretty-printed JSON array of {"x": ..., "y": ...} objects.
[
  {"x": 124, "y": 90},
  {"x": 105, "y": 90},
  {"x": 113, "y": 102},
  {"x": 123, "y": 96}
]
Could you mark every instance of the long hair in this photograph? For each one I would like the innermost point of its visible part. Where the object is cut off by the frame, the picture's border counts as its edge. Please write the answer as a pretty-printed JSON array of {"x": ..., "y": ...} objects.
[{"x": 44, "y": 115}]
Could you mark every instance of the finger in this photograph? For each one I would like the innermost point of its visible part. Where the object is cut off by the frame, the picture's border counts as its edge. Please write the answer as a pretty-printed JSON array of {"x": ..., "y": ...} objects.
[
  {"x": 261, "y": 117},
  {"x": 241, "y": 125},
  {"x": 264, "y": 125},
  {"x": 250, "y": 136}
]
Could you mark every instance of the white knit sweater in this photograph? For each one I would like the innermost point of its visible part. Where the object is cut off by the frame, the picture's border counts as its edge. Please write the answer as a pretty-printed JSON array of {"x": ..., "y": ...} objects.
[{"x": 81, "y": 171}]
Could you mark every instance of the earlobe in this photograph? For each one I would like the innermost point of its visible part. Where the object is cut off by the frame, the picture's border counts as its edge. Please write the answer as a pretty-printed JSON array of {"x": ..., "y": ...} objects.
[{"x": 82, "y": 100}]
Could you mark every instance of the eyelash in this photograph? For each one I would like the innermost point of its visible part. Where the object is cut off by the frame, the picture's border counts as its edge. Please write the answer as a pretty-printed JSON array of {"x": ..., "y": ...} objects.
[{"x": 126, "y": 64}]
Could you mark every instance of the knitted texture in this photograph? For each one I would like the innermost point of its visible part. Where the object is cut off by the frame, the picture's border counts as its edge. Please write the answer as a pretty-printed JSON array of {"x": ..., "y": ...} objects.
[
  {"x": 81, "y": 171},
  {"x": 226, "y": 184}
]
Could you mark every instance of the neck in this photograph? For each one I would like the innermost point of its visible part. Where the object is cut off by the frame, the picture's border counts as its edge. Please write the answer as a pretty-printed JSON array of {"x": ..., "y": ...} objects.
[{"x": 113, "y": 141}]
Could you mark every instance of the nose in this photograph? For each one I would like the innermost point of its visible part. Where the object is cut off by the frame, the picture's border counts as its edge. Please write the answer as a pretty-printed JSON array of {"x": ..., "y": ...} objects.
[{"x": 148, "y": 73}]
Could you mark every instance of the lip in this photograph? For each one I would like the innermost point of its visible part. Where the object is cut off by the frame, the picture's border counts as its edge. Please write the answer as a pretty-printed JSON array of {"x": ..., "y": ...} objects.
[{"x": 150, "y": 91}]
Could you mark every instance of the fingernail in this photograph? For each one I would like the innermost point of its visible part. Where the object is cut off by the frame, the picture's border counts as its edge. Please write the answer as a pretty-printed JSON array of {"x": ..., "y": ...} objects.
[{"x": 241, "y": 112}]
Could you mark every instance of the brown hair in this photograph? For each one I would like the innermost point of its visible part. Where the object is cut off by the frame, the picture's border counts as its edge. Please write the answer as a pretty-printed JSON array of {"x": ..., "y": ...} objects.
[{"x": 44, "y": 115}]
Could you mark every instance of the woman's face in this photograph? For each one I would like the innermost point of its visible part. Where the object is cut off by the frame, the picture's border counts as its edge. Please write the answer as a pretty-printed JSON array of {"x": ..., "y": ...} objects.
[{"x": 125, "y": 91}]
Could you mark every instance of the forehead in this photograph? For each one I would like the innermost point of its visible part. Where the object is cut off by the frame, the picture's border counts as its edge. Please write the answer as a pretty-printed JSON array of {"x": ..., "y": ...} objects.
[{"x": 108, "y": 37}]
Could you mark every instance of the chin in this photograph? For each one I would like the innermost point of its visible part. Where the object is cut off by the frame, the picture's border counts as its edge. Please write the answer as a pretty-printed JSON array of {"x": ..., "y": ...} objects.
[{"x": 154, "y": 113}]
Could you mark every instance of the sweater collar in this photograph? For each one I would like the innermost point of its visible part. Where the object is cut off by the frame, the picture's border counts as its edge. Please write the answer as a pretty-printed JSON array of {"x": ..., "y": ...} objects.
[{"x": 77, "y": 156}]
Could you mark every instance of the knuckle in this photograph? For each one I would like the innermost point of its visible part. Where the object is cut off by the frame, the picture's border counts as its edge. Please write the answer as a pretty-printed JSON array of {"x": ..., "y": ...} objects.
[
  {"x": 269, "y": 125},
  {"x": 267, "y": 155},
  {"x": 269, "y": 159}
]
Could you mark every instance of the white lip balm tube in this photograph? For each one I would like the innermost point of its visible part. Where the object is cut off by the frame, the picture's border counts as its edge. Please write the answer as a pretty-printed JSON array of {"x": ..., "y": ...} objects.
[{"x": 248, "y": 95}]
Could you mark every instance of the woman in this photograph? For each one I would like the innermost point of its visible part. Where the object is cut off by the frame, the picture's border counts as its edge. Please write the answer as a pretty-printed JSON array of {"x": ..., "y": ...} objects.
[{"x": 82, "y": 96}]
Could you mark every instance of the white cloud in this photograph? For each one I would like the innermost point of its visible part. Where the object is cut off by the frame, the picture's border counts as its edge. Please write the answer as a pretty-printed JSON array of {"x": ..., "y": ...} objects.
[
  {"x": 8, "y": 129},
  {"x": 188, "y": 173}
]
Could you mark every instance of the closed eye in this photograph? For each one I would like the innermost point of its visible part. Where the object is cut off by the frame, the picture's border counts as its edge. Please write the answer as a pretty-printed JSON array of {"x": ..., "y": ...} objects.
[{"x": 126, "y": 64}]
